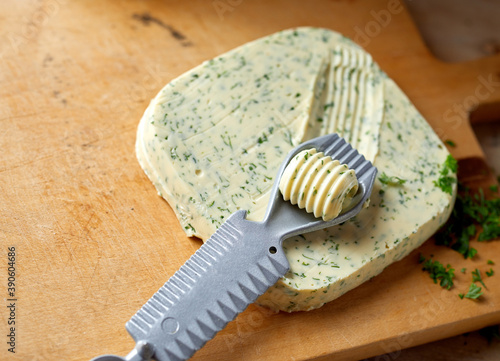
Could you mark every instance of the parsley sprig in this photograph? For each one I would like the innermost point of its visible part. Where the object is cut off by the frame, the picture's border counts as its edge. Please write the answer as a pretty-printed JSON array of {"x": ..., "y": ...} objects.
[
  {"x": 474, "y": 290},
  {"x": 476, "y": 277},
  {"x": 472, "y": 216},
  {"x": 446, "y": 180},
  {"x": 473, "y": 293},
  {"x": 438, "y": 272}
]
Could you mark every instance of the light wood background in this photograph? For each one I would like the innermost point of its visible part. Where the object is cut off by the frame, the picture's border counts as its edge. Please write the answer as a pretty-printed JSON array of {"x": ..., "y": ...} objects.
[{"x": 94, "y": 241}]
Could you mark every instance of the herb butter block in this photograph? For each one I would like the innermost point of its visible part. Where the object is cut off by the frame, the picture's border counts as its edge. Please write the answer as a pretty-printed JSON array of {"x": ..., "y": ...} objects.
[{"x": 212, "y": 141}]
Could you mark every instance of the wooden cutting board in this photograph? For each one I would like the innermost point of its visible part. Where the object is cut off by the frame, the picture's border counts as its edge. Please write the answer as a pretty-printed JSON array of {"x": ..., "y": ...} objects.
[{"x": 93, "y": 240}]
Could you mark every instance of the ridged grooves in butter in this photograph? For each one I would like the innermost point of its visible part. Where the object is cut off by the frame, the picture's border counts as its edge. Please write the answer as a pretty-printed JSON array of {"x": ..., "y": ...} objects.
[
  {"x": 213, "y": 139},
  {"x": 318, "y": 184},
  {"x": 352, "y": 99}
]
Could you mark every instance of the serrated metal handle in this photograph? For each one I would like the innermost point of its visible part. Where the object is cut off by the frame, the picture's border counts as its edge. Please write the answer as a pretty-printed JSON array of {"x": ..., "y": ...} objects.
[
  {"x": 235, "y": 266},
  {"x": 227, "y": 273}
]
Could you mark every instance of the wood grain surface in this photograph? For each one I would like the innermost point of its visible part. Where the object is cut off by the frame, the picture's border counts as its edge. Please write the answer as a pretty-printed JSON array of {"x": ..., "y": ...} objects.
[{"x": 93, "y": 239}]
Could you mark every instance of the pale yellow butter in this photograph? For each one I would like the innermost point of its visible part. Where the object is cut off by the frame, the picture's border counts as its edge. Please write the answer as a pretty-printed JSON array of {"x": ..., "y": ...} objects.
[
  {"x": 318, "y": 184},
  {"x": 213, "y": 139}
]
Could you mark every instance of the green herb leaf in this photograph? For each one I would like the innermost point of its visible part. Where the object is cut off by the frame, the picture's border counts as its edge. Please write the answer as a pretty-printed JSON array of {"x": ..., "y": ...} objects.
[
  {"x": 445, "y": 180},
  {"x": 445, "y": 183},
  {"x": 476, "y": 277},
  {"x": 490, "y": 272},
  {"x": 440, "y": 273},
  {"x": 393, "y": 180},
  {"x": 474, "y": 292},
  {"x": 450, "y": 142},
  {"x": 450, "y": 164}
]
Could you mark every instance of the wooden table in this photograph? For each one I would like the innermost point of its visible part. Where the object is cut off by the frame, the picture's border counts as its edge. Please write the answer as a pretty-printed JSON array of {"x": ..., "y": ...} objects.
[{"x": 93, "y": 241}]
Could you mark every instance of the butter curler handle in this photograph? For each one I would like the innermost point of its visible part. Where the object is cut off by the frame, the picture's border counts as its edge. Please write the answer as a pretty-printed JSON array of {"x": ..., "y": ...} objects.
[{"x": 226, "y": 274}]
